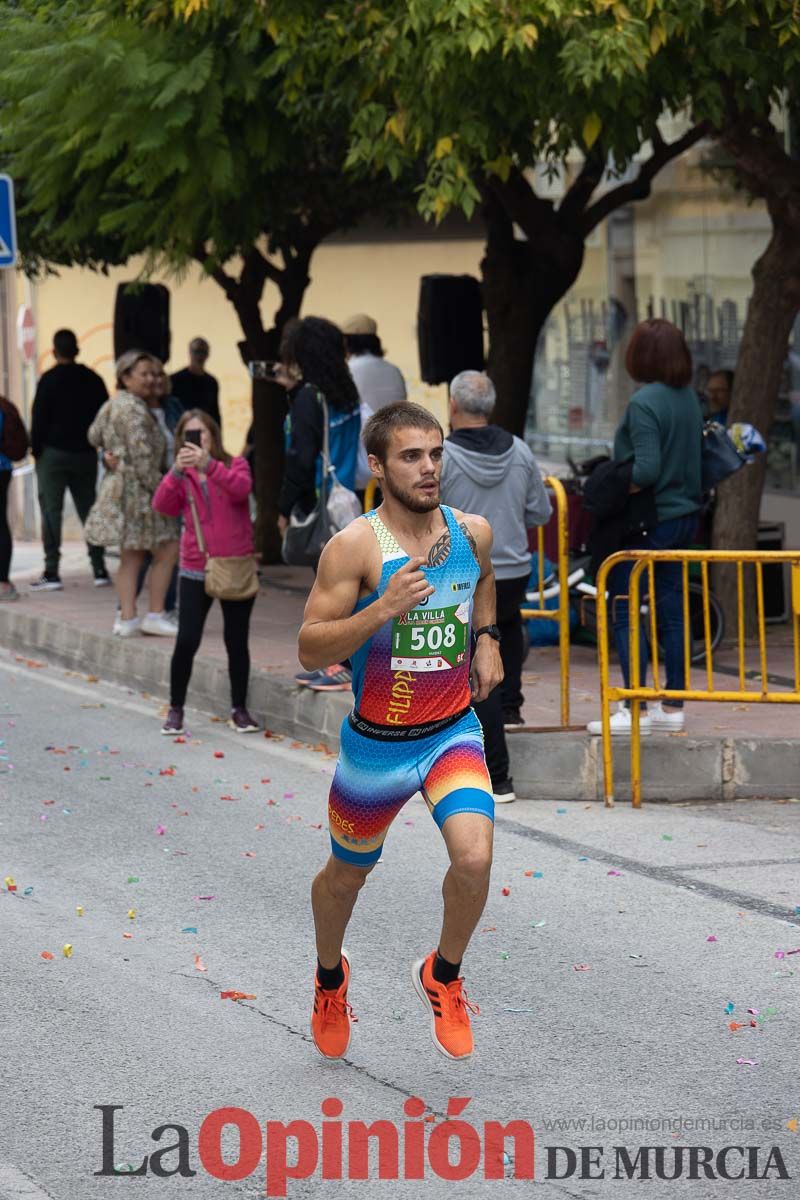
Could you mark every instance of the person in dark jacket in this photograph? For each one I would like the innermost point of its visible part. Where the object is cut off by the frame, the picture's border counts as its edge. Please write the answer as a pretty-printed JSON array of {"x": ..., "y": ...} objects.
[
  {"x": 68, "y": 398},
  {"x": 488, "y": 471},
  {"x": 661, "y": 432},
  {"x": 194, "y": 386},
  {"x": 314, "y": 364}
]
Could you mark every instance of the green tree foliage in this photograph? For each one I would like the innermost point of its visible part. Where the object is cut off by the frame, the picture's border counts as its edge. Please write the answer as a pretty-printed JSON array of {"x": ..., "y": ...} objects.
[
  {"x": 484, "y": 91},
  {"x": 131, "y": 130}
]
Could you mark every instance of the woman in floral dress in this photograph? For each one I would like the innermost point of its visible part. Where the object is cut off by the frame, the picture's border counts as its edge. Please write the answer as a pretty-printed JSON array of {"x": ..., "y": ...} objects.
[{"x": 135, "y": 453}]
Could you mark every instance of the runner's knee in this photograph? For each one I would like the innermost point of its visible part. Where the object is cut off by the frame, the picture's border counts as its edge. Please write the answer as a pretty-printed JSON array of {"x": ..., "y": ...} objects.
[
  {"x": 345, "y": 881},
  {"x": 472, "y": 864}
]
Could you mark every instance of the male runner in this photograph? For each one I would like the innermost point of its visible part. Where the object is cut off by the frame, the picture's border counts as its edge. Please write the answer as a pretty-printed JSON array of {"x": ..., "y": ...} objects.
[{"x": 397, "y": 592}]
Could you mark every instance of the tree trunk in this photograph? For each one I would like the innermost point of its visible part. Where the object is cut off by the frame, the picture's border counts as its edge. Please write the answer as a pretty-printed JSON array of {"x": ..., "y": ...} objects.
[
  {"x": 268, "y": 399},
  {"x": 770, "y": 316},
  {"x": 522, "y": 283}
]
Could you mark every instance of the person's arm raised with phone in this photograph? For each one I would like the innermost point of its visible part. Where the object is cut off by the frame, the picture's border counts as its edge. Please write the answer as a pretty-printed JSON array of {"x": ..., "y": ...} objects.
[{"x": 331, "y": 631}]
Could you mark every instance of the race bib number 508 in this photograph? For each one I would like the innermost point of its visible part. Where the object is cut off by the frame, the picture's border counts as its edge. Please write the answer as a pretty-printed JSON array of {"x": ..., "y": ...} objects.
[{"x": 434, "y": 640}]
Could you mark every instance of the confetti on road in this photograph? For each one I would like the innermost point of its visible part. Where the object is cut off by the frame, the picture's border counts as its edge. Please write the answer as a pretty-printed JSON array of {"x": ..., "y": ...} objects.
[
  {"x": 189, "y": 929},
  {"x": 233, "y": 995},
  {"x": 47, "y": 956},
  {"x": 506, "y": 891},
  {"x": 199, "y": 964},
  {"x": 746, "y": 1062},
  {"x": 614, "y": 872},
  {"x": 66, "y": 950},
  {"x": 711, "y": 938},
  {"x": 581, "y": 967}
]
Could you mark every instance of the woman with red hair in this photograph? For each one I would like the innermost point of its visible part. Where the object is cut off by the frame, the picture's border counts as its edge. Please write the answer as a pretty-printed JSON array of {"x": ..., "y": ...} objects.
[{"x": 661, "y": 433}]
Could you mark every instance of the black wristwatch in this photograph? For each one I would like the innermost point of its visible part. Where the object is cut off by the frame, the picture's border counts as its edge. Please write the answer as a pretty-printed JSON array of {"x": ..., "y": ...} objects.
[{"x": 492, "y": 631}]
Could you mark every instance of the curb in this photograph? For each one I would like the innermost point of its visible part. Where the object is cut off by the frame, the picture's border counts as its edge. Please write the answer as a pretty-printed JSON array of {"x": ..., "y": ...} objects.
[{"x": 545, "y": 766}]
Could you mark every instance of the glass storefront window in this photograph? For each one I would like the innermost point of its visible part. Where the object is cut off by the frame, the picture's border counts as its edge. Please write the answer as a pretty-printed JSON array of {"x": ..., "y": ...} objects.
[{"x": 686, "y": 254}]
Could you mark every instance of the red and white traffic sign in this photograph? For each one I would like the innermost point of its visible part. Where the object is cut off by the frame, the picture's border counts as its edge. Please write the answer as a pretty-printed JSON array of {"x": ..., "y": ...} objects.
[{"x": 26, "y": 333}]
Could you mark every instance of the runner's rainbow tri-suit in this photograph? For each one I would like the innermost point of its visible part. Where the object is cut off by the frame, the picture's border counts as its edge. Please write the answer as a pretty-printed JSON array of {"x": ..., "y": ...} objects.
[{"x": 412, "y": 728}]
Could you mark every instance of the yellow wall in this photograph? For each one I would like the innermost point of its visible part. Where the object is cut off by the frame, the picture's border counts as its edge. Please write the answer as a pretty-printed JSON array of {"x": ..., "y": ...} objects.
[{"x": 379, "y": 279}]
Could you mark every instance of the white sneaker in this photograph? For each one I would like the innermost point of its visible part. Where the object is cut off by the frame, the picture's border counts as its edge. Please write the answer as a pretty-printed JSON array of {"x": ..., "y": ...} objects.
[
  {"x": 670, "y": 720},
  {"x": 116, "y": 625},
  {"x": 159, "y": 625},
  {"x": 621, "y": 723},
  {"x": 126, "y": 629}
]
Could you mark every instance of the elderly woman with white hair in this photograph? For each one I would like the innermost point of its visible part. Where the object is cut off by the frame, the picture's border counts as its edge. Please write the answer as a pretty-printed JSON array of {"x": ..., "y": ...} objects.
[{"x": 135, "y": 453}]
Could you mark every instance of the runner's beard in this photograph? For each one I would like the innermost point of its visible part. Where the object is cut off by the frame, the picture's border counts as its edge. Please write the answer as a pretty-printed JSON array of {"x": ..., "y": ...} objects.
[{"x": 414, "y": 501}]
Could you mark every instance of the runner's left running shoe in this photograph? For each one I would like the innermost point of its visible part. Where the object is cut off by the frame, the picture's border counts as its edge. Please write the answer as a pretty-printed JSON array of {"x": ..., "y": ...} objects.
[
  {"x": 332, "y": 1017},
  {"x": 449, "y": 1007}
]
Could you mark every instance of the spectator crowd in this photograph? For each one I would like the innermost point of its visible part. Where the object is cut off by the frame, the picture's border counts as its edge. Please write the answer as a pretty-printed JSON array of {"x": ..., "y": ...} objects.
[{"x": 154, "y": 485}]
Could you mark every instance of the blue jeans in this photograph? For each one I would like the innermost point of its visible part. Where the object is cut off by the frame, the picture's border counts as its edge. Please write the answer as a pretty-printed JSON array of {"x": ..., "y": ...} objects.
[{"x": 667, "y": 535}]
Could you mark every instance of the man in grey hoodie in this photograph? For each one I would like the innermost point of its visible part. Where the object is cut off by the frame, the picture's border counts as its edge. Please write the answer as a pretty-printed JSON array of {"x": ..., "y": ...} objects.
[{"x": 488, "y": 471}]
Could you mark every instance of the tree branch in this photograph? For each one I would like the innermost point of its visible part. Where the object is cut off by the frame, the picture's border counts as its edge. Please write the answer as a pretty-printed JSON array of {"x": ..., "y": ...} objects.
[
  {"x": 257, "y": 269},
  {"x": 225, "y": 281},
  {"x": 522, "y": 204},
  {"x": 639, "y": 188},
  {"x": 580, "y": 192}
]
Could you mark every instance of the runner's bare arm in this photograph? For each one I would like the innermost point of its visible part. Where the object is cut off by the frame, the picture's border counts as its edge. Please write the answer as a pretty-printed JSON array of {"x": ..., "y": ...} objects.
[
  {"x": 331, "y": 631},
  {"x": 487, "y": 666}
]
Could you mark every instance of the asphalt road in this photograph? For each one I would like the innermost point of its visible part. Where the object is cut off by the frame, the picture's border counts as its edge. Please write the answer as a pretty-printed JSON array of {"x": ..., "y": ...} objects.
[{"x": 98, "y": 811}]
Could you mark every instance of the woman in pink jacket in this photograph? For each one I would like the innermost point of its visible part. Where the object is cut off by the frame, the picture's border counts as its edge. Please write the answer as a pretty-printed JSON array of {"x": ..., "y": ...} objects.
[{"x": 220, "y": 486}]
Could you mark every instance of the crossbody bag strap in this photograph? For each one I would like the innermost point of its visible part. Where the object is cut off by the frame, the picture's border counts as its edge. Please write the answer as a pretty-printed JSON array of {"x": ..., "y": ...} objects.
[
  {"x": 198, "y": 532},
  {"x": 326, "y": 449}
]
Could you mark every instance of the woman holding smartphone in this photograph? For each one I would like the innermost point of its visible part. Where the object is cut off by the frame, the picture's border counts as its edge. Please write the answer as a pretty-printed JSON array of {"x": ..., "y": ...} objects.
[{"x": 208, "y": 482}]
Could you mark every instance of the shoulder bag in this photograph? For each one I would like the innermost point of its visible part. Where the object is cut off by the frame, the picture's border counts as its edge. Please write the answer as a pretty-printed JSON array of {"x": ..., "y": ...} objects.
[
  {"x": 719, "y": 458},
  {"x": 336, "y": 507},
  {"x": 228, "y": 576}
]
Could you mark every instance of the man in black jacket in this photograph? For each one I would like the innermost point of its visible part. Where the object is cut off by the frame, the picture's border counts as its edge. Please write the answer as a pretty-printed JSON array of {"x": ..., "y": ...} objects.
[
  {"x": 194, "y": 386},
  {"x": 67, "y": 400}
]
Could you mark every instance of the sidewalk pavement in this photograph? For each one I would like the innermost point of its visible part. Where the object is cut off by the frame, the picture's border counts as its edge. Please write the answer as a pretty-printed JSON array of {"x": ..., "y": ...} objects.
[{"x": 721, "y": 754}]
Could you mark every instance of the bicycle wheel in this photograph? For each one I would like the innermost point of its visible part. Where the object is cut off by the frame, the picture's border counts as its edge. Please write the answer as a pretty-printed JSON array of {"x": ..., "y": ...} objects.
[{"x": 716, "y": 621}]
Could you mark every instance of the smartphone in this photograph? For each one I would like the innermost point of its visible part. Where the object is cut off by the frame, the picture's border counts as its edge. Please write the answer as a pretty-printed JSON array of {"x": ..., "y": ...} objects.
[
  {"x": 194, "y": 437},
  {"x": 263, "y": 370}
]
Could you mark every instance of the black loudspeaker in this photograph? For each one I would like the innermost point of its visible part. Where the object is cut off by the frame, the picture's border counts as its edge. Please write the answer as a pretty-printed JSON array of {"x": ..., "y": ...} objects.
[
  {"x": 449, "y": 326},
  {"x": 141, "y": 319},
  {"x": 771, "y": 536}
]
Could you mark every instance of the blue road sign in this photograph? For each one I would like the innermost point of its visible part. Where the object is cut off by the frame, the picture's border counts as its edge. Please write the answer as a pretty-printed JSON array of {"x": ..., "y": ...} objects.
[{"x": 8, "y": 224}]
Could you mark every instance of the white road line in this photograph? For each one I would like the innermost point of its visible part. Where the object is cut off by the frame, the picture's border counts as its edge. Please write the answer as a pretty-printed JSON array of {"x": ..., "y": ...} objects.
[
  {"x": 267, "y": 746},
  {"x": 14, "y": 1185}
]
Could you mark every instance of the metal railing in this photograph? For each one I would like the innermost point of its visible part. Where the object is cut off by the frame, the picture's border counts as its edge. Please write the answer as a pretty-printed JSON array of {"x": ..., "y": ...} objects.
[
  {"x": 561, "y": 614},
  {"x": 647, "y": 560}
]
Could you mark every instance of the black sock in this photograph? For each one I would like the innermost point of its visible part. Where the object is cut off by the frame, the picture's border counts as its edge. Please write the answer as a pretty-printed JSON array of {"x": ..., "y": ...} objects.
[
  {"x": 444, "y": 971},
  {"x": 330, "y": 980}
]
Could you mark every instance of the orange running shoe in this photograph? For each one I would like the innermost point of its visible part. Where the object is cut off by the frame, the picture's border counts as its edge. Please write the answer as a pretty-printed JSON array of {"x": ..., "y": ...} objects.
[
  {"x": 332, "y": 1017},
  {"x": 449, "y": 1008}
]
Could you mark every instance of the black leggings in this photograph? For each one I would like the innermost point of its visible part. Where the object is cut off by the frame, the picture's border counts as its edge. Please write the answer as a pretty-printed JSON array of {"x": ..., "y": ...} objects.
[
  {"x": 5, "y": 530},
  {"x": 192, "y": 612}
]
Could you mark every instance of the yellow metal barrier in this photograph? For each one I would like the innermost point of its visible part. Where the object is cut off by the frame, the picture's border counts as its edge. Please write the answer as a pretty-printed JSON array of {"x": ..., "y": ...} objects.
[
  {"x": 562, "y": 613},
  {"x": 646, "y": 560}
]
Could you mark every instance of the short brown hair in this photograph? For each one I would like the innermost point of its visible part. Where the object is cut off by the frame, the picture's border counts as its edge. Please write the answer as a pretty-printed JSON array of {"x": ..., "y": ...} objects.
[
  {"x": 403, "y": 414},
  {"x": 218, "y": 451},
  {"x": 657, "y": 353}
]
